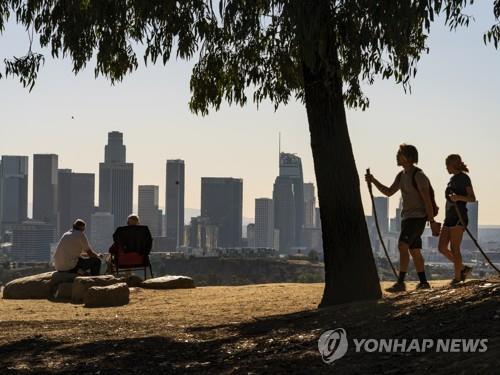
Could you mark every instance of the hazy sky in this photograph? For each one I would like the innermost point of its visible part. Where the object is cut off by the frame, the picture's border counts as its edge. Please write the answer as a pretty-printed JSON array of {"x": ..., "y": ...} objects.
[{"x": 454, "y": 108}]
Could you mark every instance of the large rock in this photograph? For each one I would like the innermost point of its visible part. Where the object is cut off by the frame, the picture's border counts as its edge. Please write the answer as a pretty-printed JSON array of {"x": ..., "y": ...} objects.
[
  {"x": 168, "y": 282},
  {"x": 39, "y": 286},
  {"x": 107, "y": 296},
  {"x": 82, "y": 284}
]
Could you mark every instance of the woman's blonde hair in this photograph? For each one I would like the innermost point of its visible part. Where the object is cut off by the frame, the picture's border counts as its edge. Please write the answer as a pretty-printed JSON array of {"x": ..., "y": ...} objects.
[{"x": 456, "y": 162}]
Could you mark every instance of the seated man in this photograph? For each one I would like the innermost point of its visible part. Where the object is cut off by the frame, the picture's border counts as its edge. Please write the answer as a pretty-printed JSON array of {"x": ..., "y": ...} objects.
[
  {"x": 132, "y": 238},
  {"x": 73, "y": 244}
]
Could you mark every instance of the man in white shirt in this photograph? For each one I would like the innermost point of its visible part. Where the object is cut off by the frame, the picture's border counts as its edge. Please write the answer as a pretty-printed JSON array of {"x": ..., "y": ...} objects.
[{"x": 71, "y": 246}]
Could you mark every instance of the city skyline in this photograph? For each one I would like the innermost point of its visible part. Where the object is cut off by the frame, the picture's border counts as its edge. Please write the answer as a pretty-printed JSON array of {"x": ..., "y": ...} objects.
[{"x": 451, "y": 91}]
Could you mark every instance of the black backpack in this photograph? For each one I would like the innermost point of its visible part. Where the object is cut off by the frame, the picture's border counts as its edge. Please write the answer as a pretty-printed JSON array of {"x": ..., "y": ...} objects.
[{"x": 435, "y": 207}]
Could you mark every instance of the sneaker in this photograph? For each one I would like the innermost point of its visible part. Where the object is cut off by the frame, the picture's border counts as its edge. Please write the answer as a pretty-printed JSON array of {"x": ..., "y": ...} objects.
[
  {"x": 399, "y": 286},
  {"x": 424, "y": 285},
  {"x": 454, "y": 282},
  {"x": 465, "y": 273}
]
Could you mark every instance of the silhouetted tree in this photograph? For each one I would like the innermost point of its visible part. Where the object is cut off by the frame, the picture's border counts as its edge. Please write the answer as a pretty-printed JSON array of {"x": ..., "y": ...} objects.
[{"x": 317, "y": 51}]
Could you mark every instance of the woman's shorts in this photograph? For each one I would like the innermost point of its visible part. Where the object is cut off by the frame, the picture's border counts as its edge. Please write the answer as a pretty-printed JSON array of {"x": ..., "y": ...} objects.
[{"x": 454, "y": 220}]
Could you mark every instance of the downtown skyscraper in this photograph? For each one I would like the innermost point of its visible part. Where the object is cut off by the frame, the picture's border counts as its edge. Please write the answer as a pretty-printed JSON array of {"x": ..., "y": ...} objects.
[
  {"x": 264, "y": 222},
  {"x": 149, "y": 213},
  {"x": 174, "y": 200},
  {"x": 45, "y": 188},
  {"x": 222, "y": 202},
  {"x": 76, "y": 195},
  {"x": 116, "y": 178},
  {"x": 288, "y": 197},
  {"x": 309, "y": 205},
  {"x": 13, "y": 191}
]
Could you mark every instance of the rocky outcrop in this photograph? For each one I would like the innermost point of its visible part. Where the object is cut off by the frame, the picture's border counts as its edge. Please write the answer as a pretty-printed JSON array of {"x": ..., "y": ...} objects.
[
  {"x": 40, "y": 286},
  {"x": 107, "y": 296},
  {"x": 82, "y": 284},
  {"x": 168, "y": 282}
]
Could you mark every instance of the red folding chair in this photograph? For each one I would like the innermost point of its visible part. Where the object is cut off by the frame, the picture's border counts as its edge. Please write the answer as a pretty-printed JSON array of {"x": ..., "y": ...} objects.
[{"x": 130, "y": 261}]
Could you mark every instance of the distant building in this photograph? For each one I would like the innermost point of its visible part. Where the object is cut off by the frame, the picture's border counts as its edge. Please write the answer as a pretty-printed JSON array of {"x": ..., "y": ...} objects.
[
  {"x": 13, "y": 191},
  {"x": 285, "y": 213},
  {"x": 264, "y": 222},
  {"x": 473, "y": 214},
  {"x": 202, "y": 234},
  {"x": 382, "y": 207},
  {"x": 31, "y": 241},
  {"x": 148, "y": 211},
  {"x": 164, "y": 244},
  {"x": 396, "y": 222},
  {"x": 116, "y": 178},
  {"x": 251, "y": 235},
  {"x": 45, "y": 188},
  {"x": 290, "y": 167},
  {"x": 101, "y": 231},
  {"x": 317, "y": 220},
  {"x": 174, "y": 200},
  {"x": 313, "y": 239},
  {"x": 309, "y": 205},
  {"x": 222, "y": 202},
  {"x": 76, "y": 195}
]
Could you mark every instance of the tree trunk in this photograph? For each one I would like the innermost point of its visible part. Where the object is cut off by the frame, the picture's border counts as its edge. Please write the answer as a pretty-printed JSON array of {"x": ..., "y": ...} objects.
[{"x": 350, "y": 272}]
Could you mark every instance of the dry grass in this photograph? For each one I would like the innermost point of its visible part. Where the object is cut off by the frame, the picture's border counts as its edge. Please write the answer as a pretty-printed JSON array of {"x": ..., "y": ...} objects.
[{"x": 210, "y": 329}]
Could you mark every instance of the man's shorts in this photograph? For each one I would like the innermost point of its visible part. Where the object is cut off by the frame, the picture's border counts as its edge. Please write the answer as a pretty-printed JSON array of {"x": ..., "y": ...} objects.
[{"x": 411, "y": 232}]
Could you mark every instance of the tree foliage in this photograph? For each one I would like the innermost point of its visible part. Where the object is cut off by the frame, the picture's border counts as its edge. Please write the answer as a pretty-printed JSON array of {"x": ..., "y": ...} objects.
[{"x": 241, "y": 46}]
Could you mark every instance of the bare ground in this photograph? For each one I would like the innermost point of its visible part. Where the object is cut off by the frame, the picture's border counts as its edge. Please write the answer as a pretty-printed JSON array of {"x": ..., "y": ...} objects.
[{"x": 271, "y": 328}]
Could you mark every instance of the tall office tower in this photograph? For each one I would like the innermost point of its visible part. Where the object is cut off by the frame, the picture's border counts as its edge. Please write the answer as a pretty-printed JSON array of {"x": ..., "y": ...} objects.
[
  {"x": 222, "y": 202},
  {"x": 76, "y": 195},
  {"x": 284, "y": 213},
  {"x": 115, "y": 151},
  {"x": 149, "y": 213},
  {"x": 251, "y": 235},
  {"x": 13, "y": 191},
  {"x": 31, "y": 241},
  {"x": 116, "y": 180},
  {"x": 473, "y": 214},
  {"x": 174, "y": 200},
  {"x": 309, "y": 205},
  {"x": 264, "y": 223},
  {"x": 290, "y": 167},
  {"x": 45, "y": 188},
  {"x": 382, "y": 207},
  {"x": 101, "y": 231}
]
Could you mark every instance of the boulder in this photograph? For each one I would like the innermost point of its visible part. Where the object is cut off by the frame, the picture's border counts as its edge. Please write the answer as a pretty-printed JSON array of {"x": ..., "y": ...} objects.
[
  {"x": 64, "y": 291},
  {"x": 107, "y": 296},
  {"x": 168, "y": 282},
  {"x": 82, "y": 284},
  {"x": 40, "y": 286},
  {"x": 132, "y": 280}
]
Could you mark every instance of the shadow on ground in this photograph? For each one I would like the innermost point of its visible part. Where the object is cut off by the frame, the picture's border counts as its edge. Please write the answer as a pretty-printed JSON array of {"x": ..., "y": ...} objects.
[{"x": 288, "y": 343}]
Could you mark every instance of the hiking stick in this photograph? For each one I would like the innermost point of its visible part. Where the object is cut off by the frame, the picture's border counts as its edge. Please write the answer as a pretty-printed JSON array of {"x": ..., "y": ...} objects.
[
  {"x": 462, "y": 221},
  {"x": 378, "y": 227}
]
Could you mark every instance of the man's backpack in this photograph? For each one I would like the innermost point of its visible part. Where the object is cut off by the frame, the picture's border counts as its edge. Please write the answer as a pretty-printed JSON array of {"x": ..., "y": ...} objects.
[{"x": 435, "y": 207}]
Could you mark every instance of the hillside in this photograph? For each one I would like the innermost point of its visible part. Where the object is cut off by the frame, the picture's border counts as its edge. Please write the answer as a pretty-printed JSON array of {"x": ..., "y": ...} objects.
[{"x": 247, "y": 329}]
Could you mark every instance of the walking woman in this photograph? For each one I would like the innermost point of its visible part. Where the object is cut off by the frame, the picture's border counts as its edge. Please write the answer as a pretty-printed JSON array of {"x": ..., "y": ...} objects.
[{"x": 458, "y": 192}]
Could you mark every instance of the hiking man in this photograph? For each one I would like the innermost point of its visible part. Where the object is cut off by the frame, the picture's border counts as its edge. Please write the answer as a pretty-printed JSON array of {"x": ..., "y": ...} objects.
[
  {"x": 71, "y": 246},
  {"x": 418, "y": 208}
]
